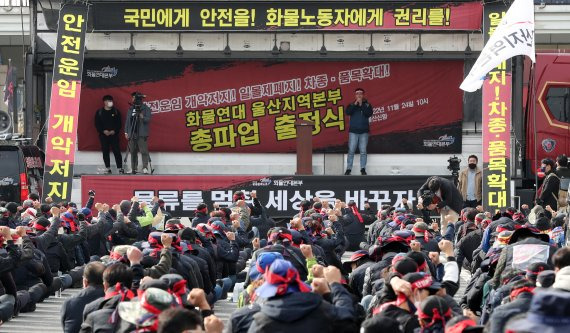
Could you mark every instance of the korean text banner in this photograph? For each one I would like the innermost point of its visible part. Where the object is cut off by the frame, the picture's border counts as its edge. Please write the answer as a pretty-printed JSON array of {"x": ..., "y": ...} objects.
[
  {"x": 252, "y": 106},
  {"x": 496, "y": 124},
  {"x": 64, "y": 102},
  {"x": 285, "y": 16},
  {"x": 281, "y": 195}
]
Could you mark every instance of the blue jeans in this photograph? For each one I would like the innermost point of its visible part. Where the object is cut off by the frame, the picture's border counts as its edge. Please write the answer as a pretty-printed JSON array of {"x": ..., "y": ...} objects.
[{"x": 360, "y": 141}]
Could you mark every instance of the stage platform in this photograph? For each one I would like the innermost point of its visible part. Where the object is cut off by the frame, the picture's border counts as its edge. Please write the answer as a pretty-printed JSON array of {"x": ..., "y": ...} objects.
[{"x": 280, "y": 194}]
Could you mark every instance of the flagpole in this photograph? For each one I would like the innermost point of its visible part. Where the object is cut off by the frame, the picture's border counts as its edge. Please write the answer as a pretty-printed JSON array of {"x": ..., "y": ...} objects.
[{"x": 535, "y": 130}]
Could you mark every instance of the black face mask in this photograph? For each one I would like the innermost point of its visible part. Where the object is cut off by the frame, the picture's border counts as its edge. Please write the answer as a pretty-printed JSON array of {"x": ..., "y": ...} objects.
[{"x": 472, "y": 166}]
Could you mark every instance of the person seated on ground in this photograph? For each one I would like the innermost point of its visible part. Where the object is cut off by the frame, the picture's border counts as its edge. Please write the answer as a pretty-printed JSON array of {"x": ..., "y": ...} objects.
[{"x": 72, "y": 309}]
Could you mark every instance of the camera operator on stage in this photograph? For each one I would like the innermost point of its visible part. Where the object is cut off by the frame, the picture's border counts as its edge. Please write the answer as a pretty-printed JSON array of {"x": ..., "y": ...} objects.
[
  {"x": 108, "y": 125},
  {"x": 137, "y": 131}
]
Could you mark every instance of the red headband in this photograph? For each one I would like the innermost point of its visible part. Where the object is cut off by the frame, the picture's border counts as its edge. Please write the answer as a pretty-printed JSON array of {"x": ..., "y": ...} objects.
[
  {"x": 283, "y": 282},
  {"x": 126, "y": 294},
  {"x": 460, "y": 326},
  {"x": 281, "y": 235},
  {"x": 357, "y": 213},
  {"x": 420, "y": 231},
  {"x": 203, "y": 210},
  {"x": 516, "y": 292},
  {"x": 39, "y": 227},
  {"x": 436, "y": 316},
  {"x": 178, "y": 290},
  {"x": 422, "y": 283}
]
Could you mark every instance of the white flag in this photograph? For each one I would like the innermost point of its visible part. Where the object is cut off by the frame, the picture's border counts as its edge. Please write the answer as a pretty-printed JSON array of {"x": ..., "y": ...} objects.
[{"x": 513, "y": 36}]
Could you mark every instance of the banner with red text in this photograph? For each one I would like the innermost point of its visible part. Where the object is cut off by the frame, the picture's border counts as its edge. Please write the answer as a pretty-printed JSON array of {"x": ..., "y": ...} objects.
[
  {"x": 64, "y": 102},
  {"x": 252, "y": 106}
]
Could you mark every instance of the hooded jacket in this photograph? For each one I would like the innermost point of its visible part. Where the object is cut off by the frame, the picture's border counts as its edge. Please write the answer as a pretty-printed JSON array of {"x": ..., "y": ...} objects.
[
  {"x": 304, "y": 312},
  {"x": 562, "y": 279}
]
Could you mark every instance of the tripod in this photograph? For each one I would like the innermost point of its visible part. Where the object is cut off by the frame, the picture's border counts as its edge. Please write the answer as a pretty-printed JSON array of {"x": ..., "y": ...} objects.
[{"x": 133, "y": 139}]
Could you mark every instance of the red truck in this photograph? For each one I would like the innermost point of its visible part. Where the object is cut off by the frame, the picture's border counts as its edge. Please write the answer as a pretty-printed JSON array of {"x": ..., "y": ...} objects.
[{"x": 547, "y": 112}]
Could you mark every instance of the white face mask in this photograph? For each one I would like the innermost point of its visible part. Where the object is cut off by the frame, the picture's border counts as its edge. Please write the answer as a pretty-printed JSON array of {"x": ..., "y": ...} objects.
[{"x": 109, "y": 104}]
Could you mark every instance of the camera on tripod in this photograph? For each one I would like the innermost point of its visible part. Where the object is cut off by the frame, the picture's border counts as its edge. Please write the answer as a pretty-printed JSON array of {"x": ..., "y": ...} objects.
[
  {"x": 454, "y": 167},
  {"x": 138, "y": 100}
]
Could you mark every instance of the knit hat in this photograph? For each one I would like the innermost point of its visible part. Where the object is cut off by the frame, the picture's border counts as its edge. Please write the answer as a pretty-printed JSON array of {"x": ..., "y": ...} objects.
[
  {"x": 545, "y": 279},
  {"x": 12, "y": 207},
  {"x": 420, "y": 229},
  {"x": 218, "y": 227},
  {"x": 144, "y": 312},
  {"x": 281, "y": 279},
  {"x": 41, "y": 224},
  {"x": 543, "y": 224},
  {"x": 548, "y": 313},
  {"x": 264, "y": 260}
]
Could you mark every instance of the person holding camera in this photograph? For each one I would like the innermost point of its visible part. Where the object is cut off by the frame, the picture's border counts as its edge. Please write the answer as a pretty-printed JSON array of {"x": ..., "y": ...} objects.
[
  {"x": 108, "y": 125},
  {"x": 440, "y": 194},
  {"x": 137, "y": 131},
  {"x": 359, "y": 111}
]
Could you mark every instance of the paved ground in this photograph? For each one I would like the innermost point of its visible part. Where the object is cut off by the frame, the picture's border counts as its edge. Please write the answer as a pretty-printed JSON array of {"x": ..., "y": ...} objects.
[{"x": 46, "y": 318}]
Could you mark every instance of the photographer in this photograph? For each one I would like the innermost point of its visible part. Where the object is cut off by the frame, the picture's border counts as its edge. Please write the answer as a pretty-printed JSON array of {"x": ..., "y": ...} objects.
[
  {"x": 137, "y": 130},
  {"x": 440, "y": 194},
  {"x": 108, "y": 125}
]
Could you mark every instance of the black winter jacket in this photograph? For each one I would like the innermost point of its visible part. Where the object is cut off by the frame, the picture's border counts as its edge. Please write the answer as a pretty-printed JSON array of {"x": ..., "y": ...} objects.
[
  {"x": 304, "y": 312},
  {"x": 72, "y": 309},
  {"x": 450, "y": 195}
]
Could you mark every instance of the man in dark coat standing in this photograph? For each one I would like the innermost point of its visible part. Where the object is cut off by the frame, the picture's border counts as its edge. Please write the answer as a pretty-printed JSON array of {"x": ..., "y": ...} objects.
[
  {"x": 72, "y": 310},
  {"x": 359, "y": 111},
  {"x": 108, "y": 125}
]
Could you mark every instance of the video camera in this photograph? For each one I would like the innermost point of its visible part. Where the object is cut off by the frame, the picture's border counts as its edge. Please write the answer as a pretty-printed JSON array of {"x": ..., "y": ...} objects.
[
  {"x": 138, "y": 100},
  {"x": 427, "y": 197}
]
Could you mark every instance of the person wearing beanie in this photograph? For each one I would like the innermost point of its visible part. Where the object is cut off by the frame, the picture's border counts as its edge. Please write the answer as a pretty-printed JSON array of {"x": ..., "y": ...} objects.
[
  {"x": 357, "y": 264},
  {"x": 201, "y": 215},
  {"x": 545, "y": 279},
  {"x": 548, "y": 313},
  {"x": 8, "y": 217},
  {"x": 424, "y": 237},
  {"x": 290, "y": 306},
  {"x": 534, "y": 269},
  {"x": 108, "y": 125},
  {"x": 520, "y": 297}
]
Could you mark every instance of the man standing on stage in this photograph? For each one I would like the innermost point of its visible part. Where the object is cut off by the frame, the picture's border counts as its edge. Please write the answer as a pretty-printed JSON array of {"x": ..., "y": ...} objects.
[
  {"x": 471, "y": 183},
  {"x": 359, "y": 111},
  {"x": 108, "y": 125},
  {"x": 137, "y": 130}
]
